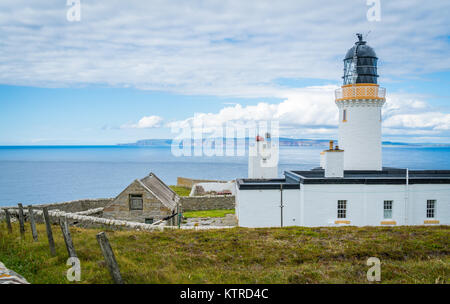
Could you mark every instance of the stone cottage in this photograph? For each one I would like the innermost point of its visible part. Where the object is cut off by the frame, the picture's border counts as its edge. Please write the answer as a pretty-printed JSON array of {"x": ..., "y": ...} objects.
[{"x": 146, "y": 200}]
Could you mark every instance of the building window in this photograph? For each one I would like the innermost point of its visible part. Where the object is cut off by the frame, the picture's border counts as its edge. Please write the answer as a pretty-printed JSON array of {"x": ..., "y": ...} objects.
[
  {"x": 431, "y": 208},
  {"x": 387, "y": 208},
  {"x": 136, "y": 202},
  {"x": 344, "y": 115},
  {"x": 149, "y": 220},
  {"x": 342, "y": 209}
]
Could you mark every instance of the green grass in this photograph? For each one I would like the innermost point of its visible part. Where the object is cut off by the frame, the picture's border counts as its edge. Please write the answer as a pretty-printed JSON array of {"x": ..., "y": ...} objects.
[
  {"x": 239, "y": 255},
  {"x": 181, "y": 191},
  {"x": 207, "y": 213}
]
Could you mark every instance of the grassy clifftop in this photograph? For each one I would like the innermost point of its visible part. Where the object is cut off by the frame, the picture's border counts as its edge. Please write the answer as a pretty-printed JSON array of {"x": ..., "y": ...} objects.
[{"x": 239, "y": 255}]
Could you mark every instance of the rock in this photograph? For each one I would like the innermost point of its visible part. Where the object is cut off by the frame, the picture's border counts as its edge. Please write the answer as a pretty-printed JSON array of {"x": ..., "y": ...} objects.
[{"x": 10, "y": 277}]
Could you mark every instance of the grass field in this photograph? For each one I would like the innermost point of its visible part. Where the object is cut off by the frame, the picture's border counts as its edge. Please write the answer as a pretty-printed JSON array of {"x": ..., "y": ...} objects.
[
  {"x": 239, "y": 255},
  {"x": 181, "y": 191},
  {"x": 207, "y": 213}
]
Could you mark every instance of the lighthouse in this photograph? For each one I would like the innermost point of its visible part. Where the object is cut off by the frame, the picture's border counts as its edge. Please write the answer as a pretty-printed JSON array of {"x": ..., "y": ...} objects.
[
  {"x": 350, "y": 187},
  {"x": 359, "y": 101}
]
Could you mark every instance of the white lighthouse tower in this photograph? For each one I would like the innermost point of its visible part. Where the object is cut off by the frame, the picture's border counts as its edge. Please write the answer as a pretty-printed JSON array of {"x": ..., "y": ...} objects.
[{"x": 360, "y": 100}]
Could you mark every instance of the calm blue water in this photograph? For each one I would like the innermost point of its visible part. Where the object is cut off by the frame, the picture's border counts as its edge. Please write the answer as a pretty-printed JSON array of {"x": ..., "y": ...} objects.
[{"x": 32, "y": 175}]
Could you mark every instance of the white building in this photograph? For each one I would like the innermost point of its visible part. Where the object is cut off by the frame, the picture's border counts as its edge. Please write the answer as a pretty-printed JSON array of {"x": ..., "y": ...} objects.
[
  {"x": 263, "y": 160},
  {"x": 350, "y": 187}
]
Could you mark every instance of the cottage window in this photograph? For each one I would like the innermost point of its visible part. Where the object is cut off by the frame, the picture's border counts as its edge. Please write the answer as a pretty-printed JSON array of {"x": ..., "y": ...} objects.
[
  {"x": 431, "y": 208},
  {"x": 344, "y": 115},
  {"x": 149, "y": 220},
  {"x": 342, "y": 209},
  {"x": 387, "y": 208},
  {"x": 136, "y": 202}
]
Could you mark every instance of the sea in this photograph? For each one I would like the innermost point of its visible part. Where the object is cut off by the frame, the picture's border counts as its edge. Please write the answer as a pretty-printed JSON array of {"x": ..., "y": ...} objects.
[{"x": 48, "y": 174}]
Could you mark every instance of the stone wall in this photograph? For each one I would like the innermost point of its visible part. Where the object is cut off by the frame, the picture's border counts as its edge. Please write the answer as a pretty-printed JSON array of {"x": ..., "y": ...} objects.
[
  {"x": 74, "y": 206},
  {"x": 195, "y": 203},
  {"x": 110, "y": 224},
  {"x": 189, "y": 182},
  {"x": 213, "y": 188}
]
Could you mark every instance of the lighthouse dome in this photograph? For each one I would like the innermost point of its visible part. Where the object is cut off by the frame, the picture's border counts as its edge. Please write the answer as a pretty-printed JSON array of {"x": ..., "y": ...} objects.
[
  {"x": 363, "y": 51},
  {"x": 360, "y": 64}
]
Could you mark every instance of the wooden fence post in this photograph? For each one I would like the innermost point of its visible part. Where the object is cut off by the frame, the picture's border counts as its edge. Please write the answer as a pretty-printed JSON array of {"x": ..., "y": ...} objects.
[
  {"x": 32, "y": 223},
  {"x": 8, "y": 220},
  {"x": 180, "y": 215},
  {"x": 67, "y": 238},
  {"x": 110, "y": 259},
  {"x": 21, "y": 220},
  {"x": 48, "y": 226}
]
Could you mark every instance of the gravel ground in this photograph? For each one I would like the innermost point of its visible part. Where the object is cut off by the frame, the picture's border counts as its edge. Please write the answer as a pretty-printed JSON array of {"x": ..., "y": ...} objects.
[{"x": 228, "y": 220}]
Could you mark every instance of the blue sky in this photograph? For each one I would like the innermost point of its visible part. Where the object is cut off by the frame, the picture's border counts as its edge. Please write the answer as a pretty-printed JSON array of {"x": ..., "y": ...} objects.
[{"x": 130, "y": 71}]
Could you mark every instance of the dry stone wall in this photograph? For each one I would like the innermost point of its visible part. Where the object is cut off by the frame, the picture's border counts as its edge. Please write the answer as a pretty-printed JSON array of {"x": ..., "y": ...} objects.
[
  {"x": 78, "y": 205},
  {"x": 196, "y": 203},
  {"x": 189, "y": 182},
  {"x": 95, "y": 222}
]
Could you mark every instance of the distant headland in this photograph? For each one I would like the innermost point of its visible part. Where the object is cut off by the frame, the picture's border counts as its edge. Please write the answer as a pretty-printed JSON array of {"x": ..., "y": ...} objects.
[{"x": 283, "y": 142}]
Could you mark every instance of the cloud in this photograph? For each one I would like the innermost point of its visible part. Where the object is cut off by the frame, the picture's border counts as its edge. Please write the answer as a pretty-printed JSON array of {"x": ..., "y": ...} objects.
[
  {"x": 410, "y": 115},
  {"x": 435, "y": 121},
  {"x": 308, "y": 107},
  {"x": 311, "y": 112},
  {"x": 145, "y": 122},
  {"x": 228, "y": 48}
]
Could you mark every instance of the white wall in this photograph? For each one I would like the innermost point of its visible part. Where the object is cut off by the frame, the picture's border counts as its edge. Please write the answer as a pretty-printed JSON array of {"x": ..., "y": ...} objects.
[
  {"x": 316, "y": 205},
  {"x": 365, "y": 203},
  {"x": 419, "y": 194},
  {"x": 334, "y": 163},
  {"x": 263, "y": 160},
  {"x": 291, "y": 207},
  {"x": 261, "y": 208},
  {"x": 360, "y": 135}
]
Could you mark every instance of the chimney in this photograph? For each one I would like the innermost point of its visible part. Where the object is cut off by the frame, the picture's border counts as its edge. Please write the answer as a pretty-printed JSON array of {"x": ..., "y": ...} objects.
[
  {"x": 331, "y": 144},
  {"x": 333, "y": 161}
]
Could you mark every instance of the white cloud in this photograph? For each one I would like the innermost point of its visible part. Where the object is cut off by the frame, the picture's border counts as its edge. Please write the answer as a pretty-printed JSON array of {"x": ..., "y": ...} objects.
[
  {"x": 145, "y": 122},
  {"x": 233, "y": 48},
  {"x": 429, "y": 120},
  {"x": 311, "y": 107},
  {"x": 312, "y": 112},
  {"x": 407, "y": 114}
]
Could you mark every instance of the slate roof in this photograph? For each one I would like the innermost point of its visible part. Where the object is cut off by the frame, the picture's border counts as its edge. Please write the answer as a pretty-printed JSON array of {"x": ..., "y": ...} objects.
[{"x": 160, "y": 190}]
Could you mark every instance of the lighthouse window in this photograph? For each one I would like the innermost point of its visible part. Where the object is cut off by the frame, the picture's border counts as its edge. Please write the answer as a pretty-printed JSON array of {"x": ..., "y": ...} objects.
[
  {"x": 431, "y": 206},
  {"x": 387, "y": 209},
  {"x": 344, "y": 115},
  {"x": 342, "y": 209}
]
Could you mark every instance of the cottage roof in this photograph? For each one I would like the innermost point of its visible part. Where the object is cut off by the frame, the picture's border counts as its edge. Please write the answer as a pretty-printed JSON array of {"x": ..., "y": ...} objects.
[{"x": 160, "y": 190}]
